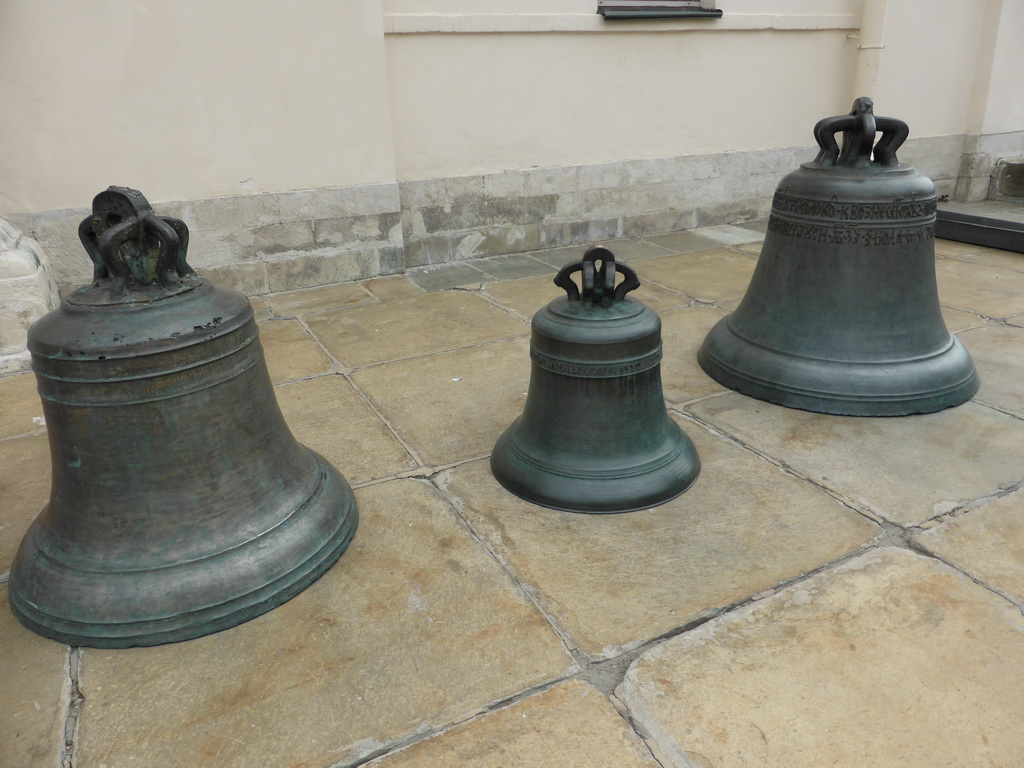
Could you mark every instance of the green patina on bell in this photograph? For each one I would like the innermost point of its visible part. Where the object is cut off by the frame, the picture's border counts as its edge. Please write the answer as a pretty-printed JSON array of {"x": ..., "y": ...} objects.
[
  {"x": 595, "y": 435},
  {"x": 842, "y": 313},
  {"x": 180, "y": 502}
]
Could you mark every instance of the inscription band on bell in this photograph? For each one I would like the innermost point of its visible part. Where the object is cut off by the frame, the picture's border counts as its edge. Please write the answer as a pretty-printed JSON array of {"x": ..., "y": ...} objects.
[{"x": 602, "y": 370}]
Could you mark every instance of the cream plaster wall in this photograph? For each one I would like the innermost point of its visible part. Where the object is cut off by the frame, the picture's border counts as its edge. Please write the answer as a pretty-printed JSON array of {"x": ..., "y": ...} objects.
[
  {"x": 1004, "y": 108},
  {"x": 190, "y": 98},
  {"x": 929, "y": 72},
  {"x": 195, "y": 99},
  {"x": 477, "y": 103}
]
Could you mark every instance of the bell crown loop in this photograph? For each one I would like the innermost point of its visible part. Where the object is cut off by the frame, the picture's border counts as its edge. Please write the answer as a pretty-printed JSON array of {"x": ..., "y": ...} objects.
[
  {"x": 598, "y": 283},
  {"x": 859, "y": 149},
  {"x": 132, "y": 249}
]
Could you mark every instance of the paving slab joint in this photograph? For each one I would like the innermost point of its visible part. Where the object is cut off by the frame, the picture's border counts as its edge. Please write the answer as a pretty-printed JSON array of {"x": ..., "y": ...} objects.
[
  {"x": 429, "y": 733},
  {"x": 76, "y": 700},
  {"x": 605, "y": 675},
  {"x": 383, "y": 419},
  {"x": 871, "y": 514},
  {"x": 997, "y": 409},
  {"x": 919, "y": 549},
  {"x": 528, "y": 591}
]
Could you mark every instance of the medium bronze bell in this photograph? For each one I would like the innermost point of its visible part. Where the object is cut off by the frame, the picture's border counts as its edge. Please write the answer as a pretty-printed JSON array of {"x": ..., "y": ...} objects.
[
  {"x": 180, "y": 504},
  {"x": 842, "y": 312},
  {"x": 595, "y": 435}
]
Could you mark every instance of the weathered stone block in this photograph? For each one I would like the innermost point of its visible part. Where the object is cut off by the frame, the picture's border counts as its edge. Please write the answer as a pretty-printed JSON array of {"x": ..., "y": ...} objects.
[
  {"x": 235, "y": 212},
  {"x": 219, "y": 247},
  {"x": 727, "y": 213},
  {"x": 338, "y": 202},
  {"x": 570, "y": 206},
  {"x": 660, "y": 221},
  {"x": 622, "y": 202},
  {"x": 505, "y": 184},
  {"x": 1008, "y": 179},
  {"x": 392, "y": 259},
  {"x": 691, "y": 167},
  {"x": 463, "y": 189},
  {"x": 420, "y": 193},
  {"x": 498, "y": 240},
  {"x": 322, "y": 267},
  {"x": 603, "y": 176},
  {"x": 514, "y": 210},
  {"x": 555, "y": 234},
  {"x": 57, "y": 233},
  {"x": 280, "y": 238},
  {"x": 421, "y": 251},
  {"x": 249, "y": 277},
  {"x": 354, "y": 229},
  {"x": 552, "y": 181}
]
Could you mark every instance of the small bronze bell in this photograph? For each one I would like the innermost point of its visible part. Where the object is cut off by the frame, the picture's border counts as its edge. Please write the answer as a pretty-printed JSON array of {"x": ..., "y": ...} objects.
[
  {"x": 595, "y": 435},
  {"x": 842, "y": 312},
  {"x": 180, "y": 502}
]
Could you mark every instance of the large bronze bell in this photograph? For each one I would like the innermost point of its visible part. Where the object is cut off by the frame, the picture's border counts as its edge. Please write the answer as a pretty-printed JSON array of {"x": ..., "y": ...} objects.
[
  {"x": 842, "y": 312},
  {"x": 595, "y": 435},
  {"x": 180, "y": 504}
]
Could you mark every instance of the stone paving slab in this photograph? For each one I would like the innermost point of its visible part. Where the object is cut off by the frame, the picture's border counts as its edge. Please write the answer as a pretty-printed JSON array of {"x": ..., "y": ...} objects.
[
  {"x": 444, "y": 276},
  {"x": 957, "y": 320},
  {"x": 616, "y": 581},
  {"x": 990, "y": 291},
  {"x": 394, "y": 287},
  {"x": 987, "y": 543},
  {"x": 290, "y": 303},
  {"x": 707, "y": 276},
  {"x": 455, "y": 405},
  {"x": 20, "y": 405},
  {"x": 891, "y": 659},
  {"x": 415, "y": 627},
  {"x": 682, "y": 333},
  {"x": 998, "y": 353},
  {"x": 683, "y": 242},
  {"x": 732, "y": 235},
  {"x": 570, "y": 724},
  {"x": 24, "y": 489},
  {"x": 995, "y": 258},
  {"x": 954, "y": 249},
  {"x": 290, "y": 352},
  {"x": 512, "y": 266},
  {"x": 328, "y": 415},
  {"x": 260, "y": 308},
  {"x": 417, "y": 325},
  {"x": 36, "y": 687},
  {"x": 905, "y": 469}
]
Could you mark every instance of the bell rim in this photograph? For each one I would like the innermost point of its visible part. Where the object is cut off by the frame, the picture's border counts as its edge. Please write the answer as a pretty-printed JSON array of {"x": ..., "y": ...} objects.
[
  {"x": 955, "y": 383},
  {"x": 212, "y": 617},
  {"x": 683, "y": 461}
]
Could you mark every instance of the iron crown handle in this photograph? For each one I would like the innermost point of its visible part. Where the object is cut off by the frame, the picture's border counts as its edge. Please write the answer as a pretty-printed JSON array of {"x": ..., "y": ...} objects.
[
  {"x": 598, "y": 284},
  {"x": 128, "y": 243},
  {"x": 859, "y": 149}
]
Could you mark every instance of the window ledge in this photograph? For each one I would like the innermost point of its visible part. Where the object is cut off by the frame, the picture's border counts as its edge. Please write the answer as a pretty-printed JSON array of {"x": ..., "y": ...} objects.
[
  {"x": 483, "y": 23},
  {"x": 613, "y": 12}
]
